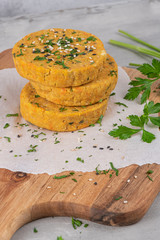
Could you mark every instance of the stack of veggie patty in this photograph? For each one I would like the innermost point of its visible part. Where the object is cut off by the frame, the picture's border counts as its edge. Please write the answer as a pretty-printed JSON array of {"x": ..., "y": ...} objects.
[{"x": 71, "y": 77}]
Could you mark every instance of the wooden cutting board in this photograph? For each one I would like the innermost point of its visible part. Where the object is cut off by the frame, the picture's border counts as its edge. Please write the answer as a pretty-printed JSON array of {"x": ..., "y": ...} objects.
[{"x": 103, "y": 198}]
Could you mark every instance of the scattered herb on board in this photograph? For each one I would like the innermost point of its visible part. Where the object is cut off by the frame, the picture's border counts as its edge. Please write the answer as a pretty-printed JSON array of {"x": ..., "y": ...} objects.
[
  {"x": 123, "y": 132},
  {"x": 6, "y": 125},
  {"x": 8, "y": 138},
  {"x": 100, "y": 120},
  {"x": 149, "y": 172},
  {"x": 35, "y": 230},
  {"x": 80, "y": 159},
  {"x": 32, "y": 148},
  {"x": 64, "y": 176},
  {"x": 112, "y": 94},
  {"x": 60, "y": 238},
  {"x": 114, "y": 169},
  {"x": 121, "y": 104},
  {"x": 76, "y": 223},
  {"x": 118, "y": 198},
  {"x": 56, "y": 141},
  {"x": 12, "y": 115}
]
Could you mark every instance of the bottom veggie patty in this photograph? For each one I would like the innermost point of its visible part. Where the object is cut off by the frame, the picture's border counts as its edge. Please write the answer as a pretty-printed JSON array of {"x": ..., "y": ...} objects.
[{"x": 45, "y": 114}]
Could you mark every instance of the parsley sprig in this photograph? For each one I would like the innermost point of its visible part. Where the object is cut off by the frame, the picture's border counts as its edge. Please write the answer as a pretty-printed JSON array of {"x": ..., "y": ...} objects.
[
  {"x": 140, "y": 84},
  {"x": 123, "y": 132}
]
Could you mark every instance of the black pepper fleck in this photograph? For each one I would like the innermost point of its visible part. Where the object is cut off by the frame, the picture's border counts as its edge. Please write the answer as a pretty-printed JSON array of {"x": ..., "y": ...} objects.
[
  {"x": 94, "y": 146},
  {"x": 108, "y": 146},
  {"x": 94, "y": 54},
  {"x": 95, "y": 183},
  {"x": 18, "y": 136},
  {"x": 11, "y": 151},
  {"x": 111, "y": 149},
  {"x": 101, "y": 148}
]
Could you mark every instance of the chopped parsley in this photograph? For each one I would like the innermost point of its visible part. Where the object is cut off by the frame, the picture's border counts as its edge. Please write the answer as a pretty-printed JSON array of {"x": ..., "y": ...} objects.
[
  {"x": 6, "y": 125},
  {"x": 76, "y": 223},
  {"x": 80, "y": 159},
  {"x": 64, "y": 176},
  {"x": 114, "y": 169},
  {"x": 35, "y": 230},
  {"x": 91, "y": 38},
  {"x": 8, "y": 139},
  {"x": 12, "y": 115},
  {"x": 100, "y": 120},
  {"x": 39, "y": 58},
  {"x": 32, "y": 148},
  {"x": 121, "y": 104},
  {"x": 118, "y": 198},
  {"x": 62, "y": 64},
  {"x": 62, "y": 109}
]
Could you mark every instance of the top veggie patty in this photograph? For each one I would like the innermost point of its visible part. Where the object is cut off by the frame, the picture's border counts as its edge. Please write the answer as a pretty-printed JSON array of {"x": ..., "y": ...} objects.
[{"x": 59, "y": 57}]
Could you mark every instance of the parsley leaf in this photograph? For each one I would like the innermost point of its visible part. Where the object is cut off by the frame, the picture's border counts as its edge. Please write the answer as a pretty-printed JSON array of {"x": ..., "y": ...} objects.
[
  {"x": 147, "y": 136},
  {"x": 62, "y": 64},
  {"x": 144, "y": 85},
  {"x": 60, "y": 238},
  {"x": 123, "y": 132},
  {"x": 39, "y": 58}
]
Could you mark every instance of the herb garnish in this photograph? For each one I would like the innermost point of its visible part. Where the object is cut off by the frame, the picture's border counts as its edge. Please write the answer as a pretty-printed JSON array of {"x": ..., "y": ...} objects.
[
  {"x": 114, "y": 169},
  {"x": 32, "y": 148},
  {"x": 60, "y": 238},
  {"x": 100, "y": 120},
  {"x": 35, "y": 230},
  {"x": 64, "y": 176},
  {"x": 121, "y": 104},
  {"x": 118, "y": 198},
  {"x": 6, "y": 125},
  {"x": 76, "y": 223},
  {"x": 62, "y": 64},
  {"x": 12, "y": 115},
  {"x": 91, "y": 38},
  {"x": 123, "y": 132},
  {"x": 21, "y": 53},
  {"x": 80, "y": 159},
  {"x": 39, "y": 58},
  {"x": 148, "y": 174},
  {"x": 62, "y": 109},
  {"x": 140, "y": 84},
  {"x": 8, "y": 139}
]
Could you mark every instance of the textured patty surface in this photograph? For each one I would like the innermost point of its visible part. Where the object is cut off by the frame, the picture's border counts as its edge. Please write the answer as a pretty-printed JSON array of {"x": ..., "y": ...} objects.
[
  {"x": 45, "y": 114},
  {"x": 86, "y": 94},
  {"x": 59, "y": 57}
]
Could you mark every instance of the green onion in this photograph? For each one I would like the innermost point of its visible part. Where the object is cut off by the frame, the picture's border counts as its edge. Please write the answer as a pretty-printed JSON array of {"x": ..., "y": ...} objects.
[
  {"x": 139, "y": 40},
  {"x": 135, "y": 48}
]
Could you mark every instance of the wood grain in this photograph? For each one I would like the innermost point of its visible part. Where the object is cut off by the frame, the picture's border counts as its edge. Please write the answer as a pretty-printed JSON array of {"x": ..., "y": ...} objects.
[{"x": 27, "y": 197}]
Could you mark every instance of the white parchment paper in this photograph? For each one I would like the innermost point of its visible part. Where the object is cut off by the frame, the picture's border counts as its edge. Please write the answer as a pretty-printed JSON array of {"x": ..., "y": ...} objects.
[{"x": 91, "y": 144}]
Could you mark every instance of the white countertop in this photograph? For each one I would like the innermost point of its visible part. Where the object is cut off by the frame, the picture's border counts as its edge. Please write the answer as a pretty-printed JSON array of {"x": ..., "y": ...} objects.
[{"x": 140, "y": 18}]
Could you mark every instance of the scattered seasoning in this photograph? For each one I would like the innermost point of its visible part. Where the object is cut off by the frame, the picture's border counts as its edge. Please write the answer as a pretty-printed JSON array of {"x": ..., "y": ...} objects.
[
  {"x": 64, "y": 176},
  {"x": 60, "y": 238},
  {"x": 94, "y": 146},
  {"x": 37, "y": 96},
  {"x": 148, "y": 174},
  {"x": 95, "y": 183},
  {"x": 76, "y": 223},
  {"x": 62, "y": 109},
  {"x": 66, "y": 161},
  {"x": 36, "y": 159},
  {"x": 62, "y": 192},
  {"x": 128, "y": 181},
  {"x": 38, "y": 58},
  {"x": 121, "y": 104},
  {"x": 135, "y": 177},
  {"x": 86, "y": 225},
  {"x": 21, "y": 53},
  {"x": 35, "y": 230},
  {"x": 11, "y": 151},
  {"x": 75, "y": 180},
  {"x": 12, "y": 115},
  {"x": 113, "y": 73},
  {"x": 6, "y": 125},
  {"x": 79, "y": 147},
  {"x": 112, "y": 94},
  {"x": 114, "y": 169},
  {"x": 56, "y": 141},
  {"x": 101, "y": 148},
  {"x": 125, "y": 201},
  {"x": 80, "y": 159},
  {"x": 62, "y": 64},
  {"x": 8, "y": 139},
  {"x": 100, "y": 120},
  {"x": 118, "y": 198},
  {"x": 17, "y": 155},
  {"x": 92, "y": 125},
  {"x": 91, "y": 38},
  {"x": 32, "y": 148}
]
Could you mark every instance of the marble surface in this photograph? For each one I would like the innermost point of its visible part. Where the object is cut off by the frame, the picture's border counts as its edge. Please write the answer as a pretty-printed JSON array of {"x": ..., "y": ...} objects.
[{"x": 140, "y": 18}]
